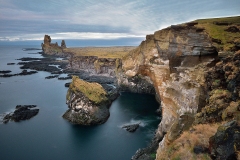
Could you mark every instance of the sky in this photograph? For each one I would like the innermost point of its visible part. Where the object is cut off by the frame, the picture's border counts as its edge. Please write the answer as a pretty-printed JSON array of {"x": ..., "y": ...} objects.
[{"x": 96, "y": 20}]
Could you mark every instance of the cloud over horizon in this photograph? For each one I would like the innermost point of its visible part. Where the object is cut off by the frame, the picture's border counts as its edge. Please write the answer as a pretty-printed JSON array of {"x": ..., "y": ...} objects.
[{"x": 102, "y": 19}]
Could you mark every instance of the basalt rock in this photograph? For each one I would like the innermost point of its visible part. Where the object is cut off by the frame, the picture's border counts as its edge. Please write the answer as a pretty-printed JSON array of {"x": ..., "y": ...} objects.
[
  {"x": 22, "y": 112},
  {"x": 226, "y": 142},
  {"x": 131, "y": 127}
]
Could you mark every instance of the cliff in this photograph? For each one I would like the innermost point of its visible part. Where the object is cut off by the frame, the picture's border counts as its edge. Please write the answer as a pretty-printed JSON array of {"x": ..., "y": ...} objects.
[
  {"x": 52, "y": 48},
  {"x": 188, "y": 69},
  {"x": 88, "y": 103},
  {"x": 176, "y": 60}
]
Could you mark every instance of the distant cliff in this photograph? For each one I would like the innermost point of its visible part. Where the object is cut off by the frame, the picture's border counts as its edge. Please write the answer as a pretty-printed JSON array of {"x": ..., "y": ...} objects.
[{"x": 52, "y": 48}]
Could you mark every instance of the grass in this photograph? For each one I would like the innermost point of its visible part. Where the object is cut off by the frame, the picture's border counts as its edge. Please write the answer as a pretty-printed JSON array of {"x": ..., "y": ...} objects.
[
  {"x": 182, "y": 148},
  {"x": 101, "y": 52},
  {"x": 218, "y": 31},
  {"x": 93, "y": 91}
]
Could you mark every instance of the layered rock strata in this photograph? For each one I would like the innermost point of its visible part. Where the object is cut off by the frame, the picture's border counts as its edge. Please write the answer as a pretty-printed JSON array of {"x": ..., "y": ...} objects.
[
  {"x": 88, "y": 103},
  {"x": 174, "y": 59},
  {"x": 94, "y": 65}
]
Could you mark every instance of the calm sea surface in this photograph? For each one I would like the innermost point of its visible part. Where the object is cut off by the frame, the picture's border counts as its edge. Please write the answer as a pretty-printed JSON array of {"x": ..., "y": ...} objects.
[{"x": 49, "y": 136}]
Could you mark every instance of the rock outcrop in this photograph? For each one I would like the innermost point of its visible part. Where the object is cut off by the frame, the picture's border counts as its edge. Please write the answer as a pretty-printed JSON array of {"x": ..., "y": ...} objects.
[
  {"x": 22, "y": 112},
  {"x": 52, "y": 48},
  {"x": 131, "y": 127},
  {"x": 88, "y": 103},
  {"x": 223, "y": 85},
  {"x": 174, "y": 59},
  {"x": 226, "y": 142},
  {"x": 94, "y": 65}
]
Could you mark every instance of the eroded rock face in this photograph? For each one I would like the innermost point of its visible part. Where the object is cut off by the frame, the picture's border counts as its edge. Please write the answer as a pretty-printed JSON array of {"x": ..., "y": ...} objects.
[
  {"x": 88, "y": 103},
  {"x": 52, "y": 48},
  {"x": 95, "y": 65},
  {"x": 174, "y": 59}
]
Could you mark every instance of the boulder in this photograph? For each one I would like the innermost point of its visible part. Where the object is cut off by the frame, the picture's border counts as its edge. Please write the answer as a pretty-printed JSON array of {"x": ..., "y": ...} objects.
[
  {"x": 131, "y": 127},
  {"x": 226, "y": 142}
]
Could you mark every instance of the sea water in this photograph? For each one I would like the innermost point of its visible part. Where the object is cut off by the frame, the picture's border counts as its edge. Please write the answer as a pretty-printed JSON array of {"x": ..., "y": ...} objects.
[{"x": 49, "y": 136}]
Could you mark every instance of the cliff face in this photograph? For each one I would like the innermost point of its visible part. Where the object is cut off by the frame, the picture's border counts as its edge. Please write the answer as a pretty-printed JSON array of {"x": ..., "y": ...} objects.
[
  {"x": 52, "y": 48},
  {"x": 175, "y": 59},
  {"x": 95, "y": 65}
]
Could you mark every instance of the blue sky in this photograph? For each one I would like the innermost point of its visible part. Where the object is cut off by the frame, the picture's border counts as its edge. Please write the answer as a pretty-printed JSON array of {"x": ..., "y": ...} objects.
[{"x": 23, "y": 20}]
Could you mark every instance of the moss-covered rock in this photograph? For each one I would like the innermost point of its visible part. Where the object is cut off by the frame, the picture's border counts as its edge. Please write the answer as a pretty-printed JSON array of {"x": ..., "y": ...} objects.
[{"x": 87, "y": 102}]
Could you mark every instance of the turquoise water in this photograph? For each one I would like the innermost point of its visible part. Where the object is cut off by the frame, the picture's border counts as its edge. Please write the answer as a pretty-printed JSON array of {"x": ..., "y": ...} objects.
[{"x": 49, "y": 136}]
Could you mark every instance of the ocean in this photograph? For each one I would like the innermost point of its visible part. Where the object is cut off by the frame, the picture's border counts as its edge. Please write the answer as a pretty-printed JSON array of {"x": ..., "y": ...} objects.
[{"x": 49, "y": 136}]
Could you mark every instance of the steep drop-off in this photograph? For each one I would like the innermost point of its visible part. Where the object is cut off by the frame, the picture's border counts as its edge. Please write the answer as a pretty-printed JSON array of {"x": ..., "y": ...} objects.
[
  {"x": 174, "y": 63},
  {"x": 172, "y": 58}
]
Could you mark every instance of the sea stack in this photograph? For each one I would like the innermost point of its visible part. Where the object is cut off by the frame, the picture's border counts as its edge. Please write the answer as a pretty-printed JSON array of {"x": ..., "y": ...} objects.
[
  {"x": 52, "y": 48},
  {"x": 87, "y": 102}
]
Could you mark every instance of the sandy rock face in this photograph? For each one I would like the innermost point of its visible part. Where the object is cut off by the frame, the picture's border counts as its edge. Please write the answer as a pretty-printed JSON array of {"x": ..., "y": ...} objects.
[{"x": 174, "y": 59}]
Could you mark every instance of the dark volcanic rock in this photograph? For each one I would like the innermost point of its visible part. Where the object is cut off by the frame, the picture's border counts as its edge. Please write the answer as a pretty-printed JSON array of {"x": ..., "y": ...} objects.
[
  {"x": 51, "y": 77},
  {"x": 149, "y": 152},
  {"x": 67, "y": 84},
  {"x": 226, "y": 142},
  {"x": 131, "y": 127},
  {"x": 64, "y": 78},
  {"x": 23, "y": 73},
  {"x": 22, "y": 112},
  {"x": 30, "y": 49},
  {"x": 10, "y": 63},
  {"x": 5, "y": 71},
  {"x": 43, "y": 64}
]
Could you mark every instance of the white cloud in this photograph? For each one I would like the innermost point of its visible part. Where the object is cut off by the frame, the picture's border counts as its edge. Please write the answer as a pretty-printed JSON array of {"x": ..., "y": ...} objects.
[{"x": 71, "y": 35}]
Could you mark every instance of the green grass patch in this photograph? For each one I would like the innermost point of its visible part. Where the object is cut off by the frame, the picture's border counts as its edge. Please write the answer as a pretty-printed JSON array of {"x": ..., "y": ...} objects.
[
  {"x": 93, "y": 91},
  {"x": 218, "y": 31},
  {"x": 101, "y": 52}
]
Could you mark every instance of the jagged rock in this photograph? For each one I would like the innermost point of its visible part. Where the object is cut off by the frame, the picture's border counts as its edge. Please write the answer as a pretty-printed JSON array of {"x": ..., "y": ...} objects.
[
  {"x": 223, "y": 84},
  {"x": 63, "y": 44},
  {"x": 52, "y": 48},
  {"x": 23, "y": 73},
  {"x": 226, "y": 142},
  {"x": 88, "y": 103},
  {"x": 47, "y": 40},
  {"x": 51, "y": 77},
  {"x": 64, "y": 78},
  {"x": 10, "y": 63},
  {"x": 22, "y": 112},
  {"x": 131, "y": 127},
  {"x": 67, "y": 84},
  {"x": 5, "y": 71}
]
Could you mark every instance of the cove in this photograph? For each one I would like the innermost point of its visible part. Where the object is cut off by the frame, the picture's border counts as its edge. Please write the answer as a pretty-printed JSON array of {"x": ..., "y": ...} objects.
[{"x": 49, "y": 136}]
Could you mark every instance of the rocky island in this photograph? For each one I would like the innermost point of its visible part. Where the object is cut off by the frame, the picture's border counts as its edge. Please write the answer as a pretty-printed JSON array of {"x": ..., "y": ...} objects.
[
  {"x": 193, "y": 70},
  {"x": 88, "y": 103}
]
